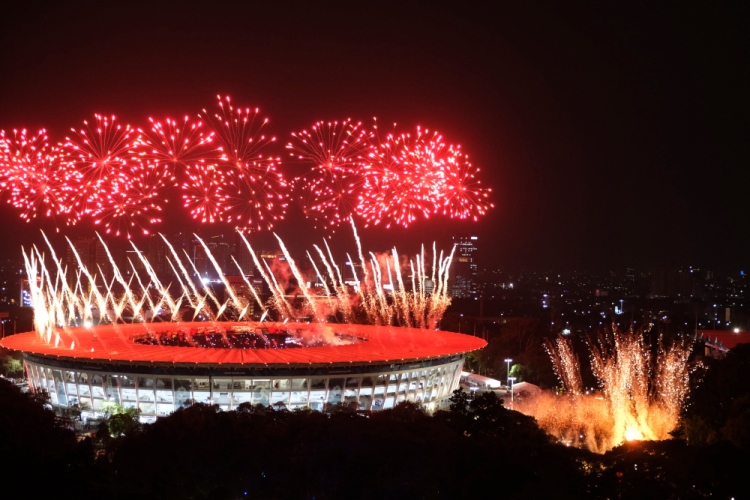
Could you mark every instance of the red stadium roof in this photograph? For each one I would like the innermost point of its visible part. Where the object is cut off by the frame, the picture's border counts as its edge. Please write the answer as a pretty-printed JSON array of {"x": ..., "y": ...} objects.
[
  {"x": 727, "y": 339},
  {"x": 113, "y": 343}
]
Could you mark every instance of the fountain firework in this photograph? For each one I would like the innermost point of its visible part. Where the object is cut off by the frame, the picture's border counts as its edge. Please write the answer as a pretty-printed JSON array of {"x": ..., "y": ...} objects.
[
  {"x": 62, "y": 300},
  {"x": 641, "y": 395}
]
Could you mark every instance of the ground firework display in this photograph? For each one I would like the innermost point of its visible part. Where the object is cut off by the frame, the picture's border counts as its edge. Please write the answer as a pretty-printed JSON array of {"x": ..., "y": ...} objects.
[
  {"x": 226, "y": 168},
  {"x": 641, "y": 394}
]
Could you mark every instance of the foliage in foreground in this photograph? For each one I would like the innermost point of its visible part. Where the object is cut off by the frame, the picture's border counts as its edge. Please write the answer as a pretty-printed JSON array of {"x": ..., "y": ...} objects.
[
  {"x": 34, "y": 446},
  {"x": 476, "y": 447}
]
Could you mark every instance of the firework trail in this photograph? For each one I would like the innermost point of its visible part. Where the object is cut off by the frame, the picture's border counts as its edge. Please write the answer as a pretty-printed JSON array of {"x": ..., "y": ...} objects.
[
  {"x": 411, "y": 307},
  {"x": 300, "y": 280},
  {"x": 338, "y": 283},
  {"x": 361, "y": 255},
  {"x": 329, "y": 301},
  {"x": 197, "y": 302},
  {"x": 566, "y": 365},
  {"x": 279, "y": 291},
  {"x": 252, "y": 289},
  {"x": 280, "y": 302},
  {"x": 93, "y": 299},
  {"x": 129, "y": 298},
  {"x": 165, "y": 299},
  {"x": 380, "y": 301}
]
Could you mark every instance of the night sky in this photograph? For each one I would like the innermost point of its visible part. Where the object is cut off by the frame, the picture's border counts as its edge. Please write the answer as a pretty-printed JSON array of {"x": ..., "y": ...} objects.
[{"x": 612, "y": 135}]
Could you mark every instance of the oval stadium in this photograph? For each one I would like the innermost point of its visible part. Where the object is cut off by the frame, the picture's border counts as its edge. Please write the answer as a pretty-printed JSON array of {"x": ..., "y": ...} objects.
[{"x": 160, "y": 367}]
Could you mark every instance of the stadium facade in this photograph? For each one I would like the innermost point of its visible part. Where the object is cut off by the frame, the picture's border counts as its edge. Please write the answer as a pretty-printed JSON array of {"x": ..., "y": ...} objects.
[{"x": 160, "y": 367}]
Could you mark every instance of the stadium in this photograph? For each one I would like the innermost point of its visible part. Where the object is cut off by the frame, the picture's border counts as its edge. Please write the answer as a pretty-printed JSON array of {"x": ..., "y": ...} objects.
[{"x": 160, "y": 367}]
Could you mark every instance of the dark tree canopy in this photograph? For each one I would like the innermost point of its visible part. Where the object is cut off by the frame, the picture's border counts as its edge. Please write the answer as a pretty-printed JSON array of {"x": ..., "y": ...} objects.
[
  {"x": 33, "y": 445},
  {"x": 719, "y": 406},
  {"x": 476, "y": 447}
]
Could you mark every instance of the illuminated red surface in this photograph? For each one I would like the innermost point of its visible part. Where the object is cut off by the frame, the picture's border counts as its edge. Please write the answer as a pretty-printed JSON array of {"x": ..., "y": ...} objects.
[
  {"x": 113, "y": 343},
  {"x": 728, "y": 339}
]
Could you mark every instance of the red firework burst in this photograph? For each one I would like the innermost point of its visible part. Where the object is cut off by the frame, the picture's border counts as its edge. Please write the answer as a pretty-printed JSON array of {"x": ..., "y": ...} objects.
[
  {"x": 400, "y": 179},
  {"x": 19, "y": 152},
  {"x": 334, "y": 153},
  {"x": 328, "y": 199},
  {"x": 175, "y": 144},
  {"x": 254, "y": 199},
  {"x": 133, "y": 203},
  {"x": 221, "y": 164},
  {"x": 253, "y": 193},
  {"x": 202, "y": 193},
  {"x": 35, "y": 177},
  {"x": 460, "y": 191},
  {"x": 331, "y": 146},
  {"x": 5, "y": 163},
  {"x": 99, "y": 154},
  {"x": 239, "y": 135}
]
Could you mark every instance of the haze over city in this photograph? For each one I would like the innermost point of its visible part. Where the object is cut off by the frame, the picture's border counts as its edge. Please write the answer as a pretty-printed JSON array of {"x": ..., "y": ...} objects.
[{"x": 611, "y": 136}]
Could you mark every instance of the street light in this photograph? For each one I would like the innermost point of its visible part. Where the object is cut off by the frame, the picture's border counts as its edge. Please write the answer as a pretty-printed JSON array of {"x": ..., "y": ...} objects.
[
  {"x": 507, "y": 373},
  {"x": 512, "y": 396},
  {"x": 715, "y": 316}
]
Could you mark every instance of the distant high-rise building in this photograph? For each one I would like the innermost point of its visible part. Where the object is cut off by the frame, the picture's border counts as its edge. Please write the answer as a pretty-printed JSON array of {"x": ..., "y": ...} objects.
[
  {"x": 463, "y": 275},
  {"x": 676, "y": 282},
  {"x": 221, "y": 251},
  {"x": 156, "y": 254},
  {"x": 93, "y": 257},
  {"x": 273, "y": 261},
  {"x": 242, "y": 255},
  {"x": 134, "y": 257},
  {"x": 352, "y": 273}
]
